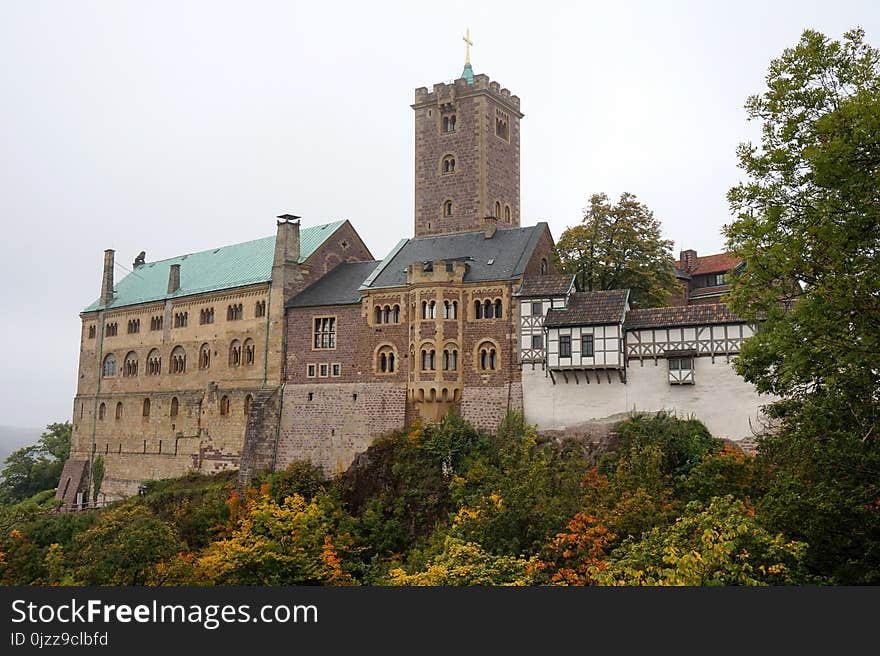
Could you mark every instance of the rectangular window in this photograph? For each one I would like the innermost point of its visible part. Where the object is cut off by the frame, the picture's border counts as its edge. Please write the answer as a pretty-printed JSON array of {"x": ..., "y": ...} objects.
[
  {"x": 721, "y": 279},
  {"x": 335, "y": 369},
  {"x": 537, "y": 342},
  {"x": 91, "y": 332},
  {"x": 322, "y": 370},
  {"x": 565, "y": 346},
  {"x": 586, "y": 346},
  {"x": 325, "y": 333},
  {"x": 537, "y": 308},
  {"x": 310, "y": 371}
]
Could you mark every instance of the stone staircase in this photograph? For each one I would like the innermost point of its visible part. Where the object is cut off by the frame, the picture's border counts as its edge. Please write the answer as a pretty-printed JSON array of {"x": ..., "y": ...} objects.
[{"x": 258, "y": 450}]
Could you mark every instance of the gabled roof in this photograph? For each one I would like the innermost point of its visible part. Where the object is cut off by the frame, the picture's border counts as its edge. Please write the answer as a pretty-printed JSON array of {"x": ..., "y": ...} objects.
[
  {"x": 237, "y": 265},
  {"x": 557, "y": 284},
  {"x": 677, "y": 316},
  {"x": 503, "y": 257},
  {"x": 340, "y": 286},
  {"x": 590, "y": 309}
]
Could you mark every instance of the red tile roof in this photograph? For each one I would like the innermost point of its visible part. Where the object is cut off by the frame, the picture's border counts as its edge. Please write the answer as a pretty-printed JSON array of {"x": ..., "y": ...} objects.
[
  {"x": 590, "y": 309},
  {"x": 687, "y": 315},
  {"x": 547, "y": 285},
  {"x": 719, "y": 263}
]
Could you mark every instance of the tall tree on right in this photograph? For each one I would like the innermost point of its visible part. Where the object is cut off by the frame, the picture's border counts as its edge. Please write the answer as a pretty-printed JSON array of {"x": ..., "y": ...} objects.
[{"x": 808, "y": 228}]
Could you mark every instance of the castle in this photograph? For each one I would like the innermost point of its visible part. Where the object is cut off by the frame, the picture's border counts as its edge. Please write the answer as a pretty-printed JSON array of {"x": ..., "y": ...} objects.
[{"x": 301, "y": 345}]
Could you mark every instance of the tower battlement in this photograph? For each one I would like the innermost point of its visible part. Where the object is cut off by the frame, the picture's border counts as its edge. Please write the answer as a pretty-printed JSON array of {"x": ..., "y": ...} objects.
[{"x": 444, "y": 92}]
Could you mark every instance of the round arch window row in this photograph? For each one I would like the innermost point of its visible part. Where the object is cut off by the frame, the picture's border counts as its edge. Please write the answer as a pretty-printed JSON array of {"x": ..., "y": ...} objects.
[{"x": 240, "y": 354}]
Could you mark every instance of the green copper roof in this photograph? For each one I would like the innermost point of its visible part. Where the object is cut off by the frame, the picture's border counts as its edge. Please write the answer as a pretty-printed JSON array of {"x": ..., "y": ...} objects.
[
  {"x": 468, "y": 73},
  {"x": 237, "y": 265}
]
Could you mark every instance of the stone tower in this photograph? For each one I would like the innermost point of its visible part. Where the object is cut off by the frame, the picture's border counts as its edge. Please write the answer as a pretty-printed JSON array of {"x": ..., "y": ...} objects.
[{"x": 467, "y": 156}]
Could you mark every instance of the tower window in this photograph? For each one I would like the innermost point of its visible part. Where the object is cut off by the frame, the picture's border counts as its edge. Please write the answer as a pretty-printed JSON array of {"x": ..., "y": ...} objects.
[
  {"x": 449, "y": 123},
  {"x": 502, "y": 125},
  {"x": 91, "y": 332},
  {"x": 224, "y": 405},
  {"x": 507, "y": 213},
  {"x": 448, "y": 164},
  {"x": 497, "y": 209},
  {"x": 447, "y": 208}
]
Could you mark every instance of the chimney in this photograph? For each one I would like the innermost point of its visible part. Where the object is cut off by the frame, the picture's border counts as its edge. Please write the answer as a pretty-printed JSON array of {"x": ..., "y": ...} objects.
[
  {"x": 174, "y": 278},
  {"x": 687, "y": 260},
  {"x": 490, "y": 226},
  {"x": 287, "y": 240},
  {"x": 107, "y": 279}
]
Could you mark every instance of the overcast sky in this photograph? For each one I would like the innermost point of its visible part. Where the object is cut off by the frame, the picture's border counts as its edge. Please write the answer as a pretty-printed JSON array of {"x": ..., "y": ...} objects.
[{"x": 173, "y": 127}]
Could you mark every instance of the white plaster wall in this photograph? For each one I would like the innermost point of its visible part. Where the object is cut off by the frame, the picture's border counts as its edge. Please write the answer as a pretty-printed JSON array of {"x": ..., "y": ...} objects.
[{"x": 728, "y": 405}]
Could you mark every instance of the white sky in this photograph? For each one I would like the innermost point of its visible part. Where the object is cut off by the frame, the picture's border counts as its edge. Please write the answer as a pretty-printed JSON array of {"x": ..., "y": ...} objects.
[{"x": 172, "y": 127}]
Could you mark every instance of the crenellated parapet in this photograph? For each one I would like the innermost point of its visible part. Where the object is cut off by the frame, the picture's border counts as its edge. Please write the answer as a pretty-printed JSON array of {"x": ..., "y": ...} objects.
[{"x": 447, "y": 92}]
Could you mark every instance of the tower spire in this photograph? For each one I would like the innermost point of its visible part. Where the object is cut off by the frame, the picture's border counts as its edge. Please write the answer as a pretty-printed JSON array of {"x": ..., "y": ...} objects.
[{"x": 468, "y": 72}]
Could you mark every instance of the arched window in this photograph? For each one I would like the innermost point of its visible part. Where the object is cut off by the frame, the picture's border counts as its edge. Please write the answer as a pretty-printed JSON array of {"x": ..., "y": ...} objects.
[
  {"x": 432, "y": 309},
  {"x": 543, "y": 266},
  {"x": 429, "y": 359},
  {"x": 154, "y": 363},
  {"x": 109, "y": 369},
  {"x": 146, "y": 407},
  {"x": 250, "y": 352},
  {"x": 130, "y": 365},
  {"x": 385, "y": 360},
  {"x": 119, "y": 410},
  {"x": 260, "y": 309},
  {"x": 224, "y": 405},
  {"x": 478, "y": 310},
  {"x": 234, "y": 312},
  {"x": 446, "y": 309},
  {"x": 424, "y": 309},
  {"x": 386, "y": 314},
  {"x": 395, "y": 313},
  {"x": 378, "y": 314},
  {"x": 102, "y": 411},
  {"x": 175, "y": 406},
  {"x": 447, "y": 208},
  {"x": 488, "y": 309},
  {"x": 498, "y": 308},
  {"x": 448, "y": 164},
  {"x": 247, "y": 404},
  {"x": 487, "y": 357},
  {"x": 507, "y": 213},
  {"x": 178, "y": 360},
  {"x": 450, "y": 359},
  {"x": 497, "y": 209},
  {"x": 235, "y": 353},
  {"x": 204, "y": 356}
]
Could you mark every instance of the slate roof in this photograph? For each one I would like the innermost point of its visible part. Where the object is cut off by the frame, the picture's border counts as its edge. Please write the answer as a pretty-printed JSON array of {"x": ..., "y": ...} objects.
[
  {"x": 237, "y": 265},
  {"x": 338, "y": 287},
  {"x": 557, "y": 284},
  {"x": 676, "y": 316},
  {"x": 590, "y": 309},
  {"x": 508, "y": 250}
]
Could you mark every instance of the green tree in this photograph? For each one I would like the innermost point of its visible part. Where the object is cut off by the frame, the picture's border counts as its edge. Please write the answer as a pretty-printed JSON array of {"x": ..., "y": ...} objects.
[
  {"x": 467, "y": 563},
  {"x": 807, "y": 225},
  {"x": 721, "y": 543},
  {"x": 37, "y": 467},
  {"x": 619, "y": 246},
  {"x": 123, "y": 547}
]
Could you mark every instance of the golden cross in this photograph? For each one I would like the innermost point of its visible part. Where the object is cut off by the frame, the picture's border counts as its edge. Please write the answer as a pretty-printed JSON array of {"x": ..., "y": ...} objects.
[{"x": 467, "y": 48}]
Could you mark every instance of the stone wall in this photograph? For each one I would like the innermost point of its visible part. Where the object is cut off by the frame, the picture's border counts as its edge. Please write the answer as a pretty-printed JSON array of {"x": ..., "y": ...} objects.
[{"x": 329, "y": 424}]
